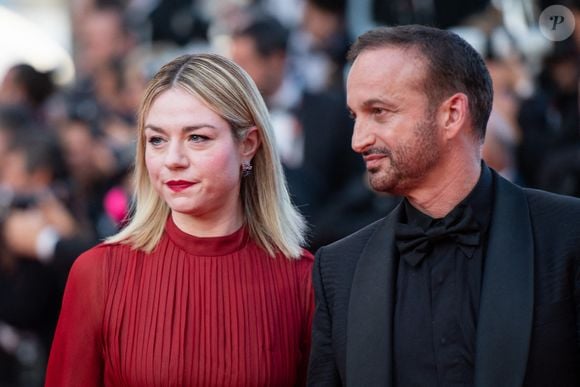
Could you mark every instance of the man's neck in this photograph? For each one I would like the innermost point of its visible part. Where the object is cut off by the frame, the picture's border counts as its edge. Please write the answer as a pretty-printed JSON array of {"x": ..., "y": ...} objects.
[{"x": 446, "y": 189}]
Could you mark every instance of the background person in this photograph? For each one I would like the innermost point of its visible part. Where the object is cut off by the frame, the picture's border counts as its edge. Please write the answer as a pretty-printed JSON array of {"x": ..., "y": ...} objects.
[{"x": 312, "y": 128}]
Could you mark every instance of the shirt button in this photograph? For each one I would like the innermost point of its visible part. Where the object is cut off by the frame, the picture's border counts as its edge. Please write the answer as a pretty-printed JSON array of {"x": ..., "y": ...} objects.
[{"x": 443, "y": 340}]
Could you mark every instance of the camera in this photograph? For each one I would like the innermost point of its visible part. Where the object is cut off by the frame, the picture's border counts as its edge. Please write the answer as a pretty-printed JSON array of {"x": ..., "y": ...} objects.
[{"x": 10, "y": 201}]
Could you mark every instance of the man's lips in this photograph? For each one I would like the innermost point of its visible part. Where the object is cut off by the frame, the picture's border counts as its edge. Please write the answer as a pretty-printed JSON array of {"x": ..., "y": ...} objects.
[
  {"x": 179, "y": 185},
  {"x": 372, "y": 160},
  {"x": 374, "y": 156}
]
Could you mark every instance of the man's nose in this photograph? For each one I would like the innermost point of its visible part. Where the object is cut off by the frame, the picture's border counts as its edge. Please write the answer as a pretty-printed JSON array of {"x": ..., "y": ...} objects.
[{"x": 362, "y": 137}]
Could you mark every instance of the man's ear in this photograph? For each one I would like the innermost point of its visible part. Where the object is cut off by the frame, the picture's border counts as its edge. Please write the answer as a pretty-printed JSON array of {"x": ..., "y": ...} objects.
[
  {"x": 453, "y": 114},
  {"x": 250, "y": 143}
]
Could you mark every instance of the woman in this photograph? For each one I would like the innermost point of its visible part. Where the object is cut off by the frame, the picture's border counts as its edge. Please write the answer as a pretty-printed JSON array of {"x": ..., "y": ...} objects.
[{"x": 207, "y": 285}]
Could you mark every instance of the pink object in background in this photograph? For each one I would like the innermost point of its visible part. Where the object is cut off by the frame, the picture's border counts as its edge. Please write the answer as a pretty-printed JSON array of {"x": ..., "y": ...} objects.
[{"x": 116, "y": 204}]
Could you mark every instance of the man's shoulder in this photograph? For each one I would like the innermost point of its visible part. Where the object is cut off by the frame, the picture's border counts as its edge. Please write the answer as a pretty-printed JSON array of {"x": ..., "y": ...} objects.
[
  {"x": 336, "y": 263},
  {"x": 353, "y": 243},
  {"x": 555, "y": 218},
  {"x": 546, "y": 196},
  {"x": 550, "y": 204}
]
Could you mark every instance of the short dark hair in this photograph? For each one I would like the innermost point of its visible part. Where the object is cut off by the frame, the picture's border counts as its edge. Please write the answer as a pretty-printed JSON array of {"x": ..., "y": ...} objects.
[
  {"x": 452, "y": 65},
  {"x": 337, "y": 7},
  {"x": 40, "y": 150},
  {"x": 37, "y": 85},
  {"x": 268, "y": 33}
]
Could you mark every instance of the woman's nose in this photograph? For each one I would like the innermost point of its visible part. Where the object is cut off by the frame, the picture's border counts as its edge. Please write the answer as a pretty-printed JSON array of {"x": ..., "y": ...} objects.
[{"x": 176, "y": 157}]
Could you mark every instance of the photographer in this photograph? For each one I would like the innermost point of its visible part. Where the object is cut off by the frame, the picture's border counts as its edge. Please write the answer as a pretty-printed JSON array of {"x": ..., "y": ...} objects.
[{"x": 33, "y": 222}]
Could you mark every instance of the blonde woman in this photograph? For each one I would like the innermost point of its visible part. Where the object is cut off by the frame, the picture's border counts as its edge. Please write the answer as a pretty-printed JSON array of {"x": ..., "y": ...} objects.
[{"x": 207, "y": 285}]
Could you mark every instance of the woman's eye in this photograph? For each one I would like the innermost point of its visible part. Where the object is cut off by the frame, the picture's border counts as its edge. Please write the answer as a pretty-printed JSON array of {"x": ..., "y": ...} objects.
[
  {"x": 155, "y": 140},
  {"x": 197, "y": 138}
]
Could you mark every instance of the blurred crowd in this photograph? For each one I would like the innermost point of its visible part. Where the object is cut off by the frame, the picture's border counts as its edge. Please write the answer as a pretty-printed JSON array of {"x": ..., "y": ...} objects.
[{"x": 66, "y": 150}]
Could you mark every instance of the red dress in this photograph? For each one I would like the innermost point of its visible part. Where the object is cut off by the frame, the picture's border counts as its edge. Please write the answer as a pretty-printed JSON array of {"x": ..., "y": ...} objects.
[{"x": 195, "y": 312}]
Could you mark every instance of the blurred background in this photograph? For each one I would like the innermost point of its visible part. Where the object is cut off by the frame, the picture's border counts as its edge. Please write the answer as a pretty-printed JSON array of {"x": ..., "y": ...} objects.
[{"x": 72, "y": 73}]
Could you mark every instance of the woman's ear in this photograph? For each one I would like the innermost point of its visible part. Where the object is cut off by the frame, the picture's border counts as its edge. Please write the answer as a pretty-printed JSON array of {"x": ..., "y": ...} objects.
[{"x": 250, "y": 143}]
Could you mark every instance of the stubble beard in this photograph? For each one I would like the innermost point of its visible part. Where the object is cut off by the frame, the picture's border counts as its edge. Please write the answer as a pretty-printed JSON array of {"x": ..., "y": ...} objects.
[{"x": 408, "y": 163}]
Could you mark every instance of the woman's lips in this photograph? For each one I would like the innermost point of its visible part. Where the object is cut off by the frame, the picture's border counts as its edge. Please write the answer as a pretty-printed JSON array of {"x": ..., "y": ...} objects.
[{"x": 178, "y": 185}]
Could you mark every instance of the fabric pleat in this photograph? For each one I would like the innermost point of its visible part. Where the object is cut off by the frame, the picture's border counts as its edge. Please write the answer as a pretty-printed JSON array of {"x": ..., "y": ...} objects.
[{"x": 194, "y": 312}]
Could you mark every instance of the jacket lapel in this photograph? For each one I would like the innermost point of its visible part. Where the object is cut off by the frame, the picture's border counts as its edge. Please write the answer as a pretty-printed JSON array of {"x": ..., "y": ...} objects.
[
  {"x": 507, "y": 296},
  {"x": 370, "y": 313}
]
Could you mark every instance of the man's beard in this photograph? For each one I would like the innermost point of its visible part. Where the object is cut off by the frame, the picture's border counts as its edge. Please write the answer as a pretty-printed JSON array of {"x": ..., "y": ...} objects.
[{"x": 409, "y": 162}]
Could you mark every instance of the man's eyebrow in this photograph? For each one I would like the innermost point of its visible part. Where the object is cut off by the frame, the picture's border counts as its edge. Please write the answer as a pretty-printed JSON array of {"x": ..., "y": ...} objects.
[
  {"x": 377, "y": 101},
  {"x": 370, "y": 103}
]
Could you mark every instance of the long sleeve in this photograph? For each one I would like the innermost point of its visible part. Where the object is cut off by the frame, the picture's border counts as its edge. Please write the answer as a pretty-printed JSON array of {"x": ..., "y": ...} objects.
[
  {"x": 322, "y": 370},
  {"x": 65, "y": 254},
  {"x": 76, "y": 353},
  {"x": 307, "y": 302}
]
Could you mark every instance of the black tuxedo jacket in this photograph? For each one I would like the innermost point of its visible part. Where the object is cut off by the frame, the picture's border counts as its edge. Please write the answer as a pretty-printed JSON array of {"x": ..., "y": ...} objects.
[{"x": 528, "y": 329}]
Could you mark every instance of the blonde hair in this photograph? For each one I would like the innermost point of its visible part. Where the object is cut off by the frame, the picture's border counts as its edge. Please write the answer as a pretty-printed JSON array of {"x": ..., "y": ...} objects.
[{"x": 272, "y": 220}]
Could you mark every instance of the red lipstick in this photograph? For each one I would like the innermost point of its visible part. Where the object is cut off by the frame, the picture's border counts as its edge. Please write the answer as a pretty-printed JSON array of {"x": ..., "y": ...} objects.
[{"x": 178, "y": 185}]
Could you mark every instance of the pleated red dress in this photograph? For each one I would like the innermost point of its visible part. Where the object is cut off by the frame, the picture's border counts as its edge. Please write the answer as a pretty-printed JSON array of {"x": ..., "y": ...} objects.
[{"x": 195, "y": 312}]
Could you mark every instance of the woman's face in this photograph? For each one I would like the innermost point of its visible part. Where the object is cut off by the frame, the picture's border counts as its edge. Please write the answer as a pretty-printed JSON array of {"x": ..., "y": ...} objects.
[{"x": 192, "y": 158}]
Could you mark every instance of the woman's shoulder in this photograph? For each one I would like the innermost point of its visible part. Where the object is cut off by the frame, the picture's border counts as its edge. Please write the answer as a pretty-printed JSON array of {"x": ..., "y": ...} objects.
[
  {"x": 93, "y": 259},
  {"x": 92, "y": 256},
  {"x": 88, "y": 262},
  {"x": 304, "y": 263},
  {"x": 307, "y": 258},
  {"x": 301, "y": 264}
]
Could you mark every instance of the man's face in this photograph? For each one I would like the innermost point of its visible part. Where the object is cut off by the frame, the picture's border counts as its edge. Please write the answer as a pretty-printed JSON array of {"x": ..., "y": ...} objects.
[
  {"x": 395, "y": 129},
  {"x": 267, "y": 72}
]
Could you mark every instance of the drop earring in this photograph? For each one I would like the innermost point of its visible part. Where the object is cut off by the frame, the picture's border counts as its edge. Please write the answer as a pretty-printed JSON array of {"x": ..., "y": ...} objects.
[{"x": 246, "y": 168}]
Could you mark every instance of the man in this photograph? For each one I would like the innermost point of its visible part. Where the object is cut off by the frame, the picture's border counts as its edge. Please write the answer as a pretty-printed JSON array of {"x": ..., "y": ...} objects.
[
  {"x": 471, "y": 280},
  {"x": 312, "y": 128}
]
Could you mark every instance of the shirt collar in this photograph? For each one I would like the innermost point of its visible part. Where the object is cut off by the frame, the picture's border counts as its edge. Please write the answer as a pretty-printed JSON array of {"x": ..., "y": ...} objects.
[{"x": 480, "y": 199}]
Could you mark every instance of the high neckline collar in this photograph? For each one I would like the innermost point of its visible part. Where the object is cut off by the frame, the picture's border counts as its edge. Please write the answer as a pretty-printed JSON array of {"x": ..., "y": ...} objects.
[{"x": 206, "y": 246}]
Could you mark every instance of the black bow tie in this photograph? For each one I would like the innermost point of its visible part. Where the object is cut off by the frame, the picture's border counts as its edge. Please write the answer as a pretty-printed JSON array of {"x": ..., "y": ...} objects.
[{"x": 459, "y": 226}]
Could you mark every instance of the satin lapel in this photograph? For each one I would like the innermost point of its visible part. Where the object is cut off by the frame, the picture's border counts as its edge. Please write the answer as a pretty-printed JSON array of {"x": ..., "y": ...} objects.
[
  {"x": 369, "y": 345},
  {"x": 507, "y": 296}
]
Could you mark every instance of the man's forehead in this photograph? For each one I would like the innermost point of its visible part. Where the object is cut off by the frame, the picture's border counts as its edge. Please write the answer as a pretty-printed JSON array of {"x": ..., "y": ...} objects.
[
  {"x": 389, "y": 68},
  {"x": 404, "y": 57}
]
